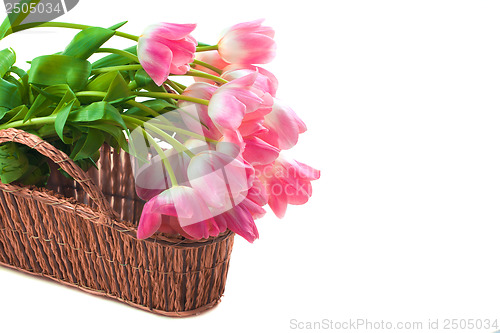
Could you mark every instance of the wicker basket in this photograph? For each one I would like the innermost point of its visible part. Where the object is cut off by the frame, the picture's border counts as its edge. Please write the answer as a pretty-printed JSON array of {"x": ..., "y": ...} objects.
[{"x": 84, "y": 235}]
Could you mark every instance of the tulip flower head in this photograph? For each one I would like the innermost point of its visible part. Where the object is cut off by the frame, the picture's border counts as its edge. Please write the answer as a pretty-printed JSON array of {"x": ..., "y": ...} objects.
[
  {"x": 287, "y": 182},
  {"x": 248, "y": 43},
  {"x": 166, "y": 48}
]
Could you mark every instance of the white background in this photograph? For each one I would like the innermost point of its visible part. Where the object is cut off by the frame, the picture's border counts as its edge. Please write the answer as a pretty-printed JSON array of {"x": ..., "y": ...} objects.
[{"x": 402, "y": 103}]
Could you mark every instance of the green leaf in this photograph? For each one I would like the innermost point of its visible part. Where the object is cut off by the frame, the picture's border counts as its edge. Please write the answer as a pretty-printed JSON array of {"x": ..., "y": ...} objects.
[
  {"x": 123, "y": 100},
  {"x": 10, "y": 97},
  {"x": 87, "y": 41},
  {"x": 101, "y": 82},
  {"x": 40, "y": 107},
  {"x": 115, "y": 59},
  {"x": 118, "y": 89},
  {"x": 114, "y": 132},
  {"x": 22, "y": 83},
  {"x": 13, "y": 163},
  {"x": 21, "y": 73},
  {"x": 87, "y": 145},
  {"x": 118, "y": 25},
  {"x": 143, "y": 80},
  {"x": 7, "y": 60},
  {"x": 60, "y": 69},
  {"x": 97, "y": 111},
  {"x": 114, "y": 84},
  {"x": 3, "y": 112},
  {"x": 47, "y": 97},
  {"x": 55, "y": 92},
  {"x": 17, "y": 113},
  {"x": 36, "y": 174},
  {"x": 62, "y": 111}
]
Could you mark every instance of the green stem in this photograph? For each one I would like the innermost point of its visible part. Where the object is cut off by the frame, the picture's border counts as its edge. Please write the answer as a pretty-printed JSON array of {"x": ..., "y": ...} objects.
[
  {"x": 100, "y": 94},
  {"x": 175, "y": 86},
  {"x": 163, "y": 157},
  {"x": 126, "y": 54},
  {"x": 170, "y": 139},
  {"x": 117, "y": 68},
  {"x": 207, "y": 48},
  {"x": 194, "y": 72},
  {"x": 164, "y": 95},
  {"x": 179, "y": 147},
  {"x": 144, "y": 108},
  {"x": 63, "y": 25},
  {"x": 159, "y": 123},
  {"x": 180, "y": 85},
  {"x": 31, "y": 122},
  {"x": 206, "y": 65},
  {"x": 186, "y": 132}
]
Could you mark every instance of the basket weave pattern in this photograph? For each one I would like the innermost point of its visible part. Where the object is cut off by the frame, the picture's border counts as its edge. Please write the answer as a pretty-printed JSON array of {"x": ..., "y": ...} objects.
[{"x": 83, "y": 233}]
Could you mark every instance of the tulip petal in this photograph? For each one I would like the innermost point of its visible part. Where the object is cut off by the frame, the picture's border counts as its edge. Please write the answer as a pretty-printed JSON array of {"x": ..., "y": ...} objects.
[
  {"x": 226, "y": 111},
  {"x": 155, "y": 58},
  {"x": 259, "y": 152},
  {"x": 241, "y": 222},
  {"x": 149, "y": 222},
  {"x": 277, "y": 198},
  {"x": 176, "y": 201},
  {"x": 249, "y": 48},
  {"x": 202, "y": 229},
  {"x": 232, "y": 101},
  {"x": 172, "y": 31},
  {"x": 283, "y": 126}
]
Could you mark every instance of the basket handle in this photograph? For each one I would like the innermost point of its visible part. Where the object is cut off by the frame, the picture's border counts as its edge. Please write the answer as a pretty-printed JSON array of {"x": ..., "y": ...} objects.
[{"x": 61, "y": 159}]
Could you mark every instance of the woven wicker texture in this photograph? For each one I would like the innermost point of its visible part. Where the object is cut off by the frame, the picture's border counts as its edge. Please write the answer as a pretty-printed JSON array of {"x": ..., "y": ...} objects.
[{"x": 82, "y": 233}]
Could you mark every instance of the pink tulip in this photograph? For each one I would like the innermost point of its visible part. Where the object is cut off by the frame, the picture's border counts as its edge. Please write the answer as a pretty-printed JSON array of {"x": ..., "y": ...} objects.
[
  {"x": 265, "y": 81},
  {"x": 286, "y": 182},
  {"x": 253, "y": 123},
  {"x": 189, "y": 209},
  {"x": 239, "y": 220},
  {"x": 248, "y": 43},
  {"x": 283, "y": 126},
  {"x": 166, "y": 48},
  {"x": 222, "y": 180},
  {"x": 233, "y": 100}
]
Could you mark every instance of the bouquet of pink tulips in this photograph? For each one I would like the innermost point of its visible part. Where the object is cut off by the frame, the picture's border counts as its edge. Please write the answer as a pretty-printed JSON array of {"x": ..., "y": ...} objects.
[{"x": 207, "y": 154}]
